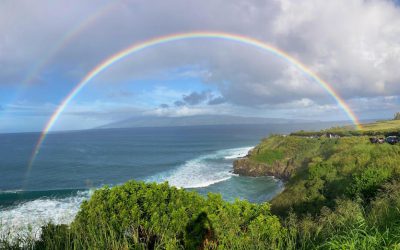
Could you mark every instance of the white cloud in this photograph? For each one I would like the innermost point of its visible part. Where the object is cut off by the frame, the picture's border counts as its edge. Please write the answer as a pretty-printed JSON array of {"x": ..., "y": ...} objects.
[{"x": 181, "y": 111}]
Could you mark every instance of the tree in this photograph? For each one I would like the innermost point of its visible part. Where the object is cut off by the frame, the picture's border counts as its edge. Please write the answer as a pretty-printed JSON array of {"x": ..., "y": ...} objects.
[{"x": 397, "y": 116}]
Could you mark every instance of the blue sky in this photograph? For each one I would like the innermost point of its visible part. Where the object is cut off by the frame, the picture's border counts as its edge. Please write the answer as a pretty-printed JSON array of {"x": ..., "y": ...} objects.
[{"x": 352, "y": 44}]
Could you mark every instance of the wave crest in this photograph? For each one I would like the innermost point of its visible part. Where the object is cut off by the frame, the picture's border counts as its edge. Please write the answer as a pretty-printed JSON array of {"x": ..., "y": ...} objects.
[
  {"x": 203, "y": 171},
  {"x": 28, "y": 217}
]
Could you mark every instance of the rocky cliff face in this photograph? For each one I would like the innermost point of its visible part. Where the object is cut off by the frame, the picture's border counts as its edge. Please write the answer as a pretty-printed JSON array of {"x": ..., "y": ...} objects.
[
  {"x": 279, "y": 169},
  {"x": 279, "y": 156}
]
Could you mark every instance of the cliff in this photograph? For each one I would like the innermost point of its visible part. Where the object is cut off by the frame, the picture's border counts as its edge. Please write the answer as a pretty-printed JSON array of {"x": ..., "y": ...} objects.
[
  {"x": 247, "y": 167},
  {"x": 277, "y": 156},
  {"x": 319, "y": 170}
]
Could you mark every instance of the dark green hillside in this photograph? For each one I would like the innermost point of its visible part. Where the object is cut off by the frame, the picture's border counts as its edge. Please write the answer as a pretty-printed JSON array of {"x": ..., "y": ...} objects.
[
  {"x": 320, "y": 170},
  {"x": 348, "y": 167}
]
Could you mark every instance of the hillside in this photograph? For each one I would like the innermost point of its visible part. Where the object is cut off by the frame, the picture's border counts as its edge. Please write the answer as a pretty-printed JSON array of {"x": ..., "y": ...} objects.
[
  {"x": 320, "y": 170},
  {"x": 378, "y": 128},
  {"x": 389, "y": 125}
]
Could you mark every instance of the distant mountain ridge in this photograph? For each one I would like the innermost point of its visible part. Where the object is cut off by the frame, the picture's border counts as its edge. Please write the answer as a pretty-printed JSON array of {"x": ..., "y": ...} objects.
[{"x": 198, "y": 120}]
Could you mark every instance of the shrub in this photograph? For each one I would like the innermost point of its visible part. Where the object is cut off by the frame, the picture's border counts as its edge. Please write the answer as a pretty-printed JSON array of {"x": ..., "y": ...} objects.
[{"x": 151, "y": 215}]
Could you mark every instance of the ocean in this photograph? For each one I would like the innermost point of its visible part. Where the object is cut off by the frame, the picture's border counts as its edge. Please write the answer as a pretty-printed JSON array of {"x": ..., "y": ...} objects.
[{"x": 71, "y": 165}]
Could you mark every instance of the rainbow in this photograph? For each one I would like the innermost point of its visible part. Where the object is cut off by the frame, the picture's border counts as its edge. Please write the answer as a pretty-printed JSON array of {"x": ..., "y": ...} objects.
[
  {"x": 186, "y": 36},
  {"x": 63, "y": 42},
  {"x": 67, "y": 38}
]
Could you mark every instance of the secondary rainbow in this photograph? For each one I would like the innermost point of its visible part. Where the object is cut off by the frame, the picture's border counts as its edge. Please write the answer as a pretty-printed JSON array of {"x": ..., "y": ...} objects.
[
  {"x": 63, "y": 42},
  {"x": 187, "y": 36},
  {"x": 66, "y": 39}
]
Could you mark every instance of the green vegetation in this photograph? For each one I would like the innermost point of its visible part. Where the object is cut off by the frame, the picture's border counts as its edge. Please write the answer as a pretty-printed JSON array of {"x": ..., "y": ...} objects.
[
  {"x": 348, "y": 167},
  {"x": 147, "y": 216},
  {"x": 383, "y": 126},
  {"x": 269, "y": 156},
  {"x": 156, "y": 216},
  {"x": 341, "y": 193},
  {"x": 379, "y": 128},
  {"x": 282, "y": 148}
]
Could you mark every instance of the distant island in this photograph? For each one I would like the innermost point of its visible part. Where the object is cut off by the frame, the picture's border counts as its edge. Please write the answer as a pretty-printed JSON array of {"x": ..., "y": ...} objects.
[
  {"x": 201, "y": 120},
  {"x": 342, "y": 191}
]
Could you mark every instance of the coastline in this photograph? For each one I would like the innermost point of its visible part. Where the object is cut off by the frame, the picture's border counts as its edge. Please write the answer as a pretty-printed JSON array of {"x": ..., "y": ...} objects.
[{"x": 246, "y": 166}]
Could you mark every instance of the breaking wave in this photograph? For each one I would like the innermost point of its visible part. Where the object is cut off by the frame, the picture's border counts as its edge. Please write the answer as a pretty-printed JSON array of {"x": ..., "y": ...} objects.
[
  {"x": 29, "y": 216},
  {"x": 203, "y": 171}
]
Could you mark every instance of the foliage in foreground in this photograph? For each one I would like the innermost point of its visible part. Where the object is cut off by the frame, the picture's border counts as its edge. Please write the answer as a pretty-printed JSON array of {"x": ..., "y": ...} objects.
[
  {"x": 151, "y": 215},
  {"x": 146, "y": 216},
  {"x": 156, "y": 216}
]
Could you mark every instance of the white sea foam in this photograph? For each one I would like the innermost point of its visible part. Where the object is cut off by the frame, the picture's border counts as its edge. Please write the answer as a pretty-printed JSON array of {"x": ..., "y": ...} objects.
[
  {"x": 28, "y": 217},
  {"x": 203, "y": 171},
  {"x": 10, "y": 191},
  {"x": 238, "y": 152}
]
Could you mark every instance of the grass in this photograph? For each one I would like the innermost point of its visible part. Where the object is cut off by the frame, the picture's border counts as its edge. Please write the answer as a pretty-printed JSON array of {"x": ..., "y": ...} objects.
[
  {"x": 390, "y": 125},
  {"x": 280, "y": 148},
  {"x": 379, "y": 128},
  {"x": 269, "y": 156}
]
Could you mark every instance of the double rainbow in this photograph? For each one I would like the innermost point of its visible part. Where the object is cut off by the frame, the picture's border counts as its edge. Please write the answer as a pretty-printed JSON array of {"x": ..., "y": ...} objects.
[{"x": 187, "y": 36}]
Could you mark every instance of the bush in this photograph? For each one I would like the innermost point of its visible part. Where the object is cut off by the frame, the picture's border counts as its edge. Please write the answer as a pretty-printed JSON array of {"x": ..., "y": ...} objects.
[
  {"x": 147, "y": 216},
  {"x": 367, "y": 182}
]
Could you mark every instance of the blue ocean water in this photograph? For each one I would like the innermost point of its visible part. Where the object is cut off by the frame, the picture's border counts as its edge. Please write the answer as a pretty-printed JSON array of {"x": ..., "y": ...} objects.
[{"x": 70, "y": 165}]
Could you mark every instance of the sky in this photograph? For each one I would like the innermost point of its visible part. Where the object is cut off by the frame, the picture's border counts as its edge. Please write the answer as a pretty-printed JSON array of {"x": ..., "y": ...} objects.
[{"x": 48, "y": 46}]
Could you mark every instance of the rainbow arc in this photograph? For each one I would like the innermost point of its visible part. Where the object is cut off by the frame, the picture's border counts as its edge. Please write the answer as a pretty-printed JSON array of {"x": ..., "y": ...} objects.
[{"x": 108, "y": 62}]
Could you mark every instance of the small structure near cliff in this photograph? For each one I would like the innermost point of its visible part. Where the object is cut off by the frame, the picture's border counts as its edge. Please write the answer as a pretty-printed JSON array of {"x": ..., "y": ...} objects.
[
  {"x": 390, "y": 139},
  {"x": 331, "y": 135},
  {"x": 377, "y": 140}
]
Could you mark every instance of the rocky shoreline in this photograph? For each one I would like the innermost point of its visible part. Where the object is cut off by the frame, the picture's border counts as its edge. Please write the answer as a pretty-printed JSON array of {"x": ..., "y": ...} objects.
[{"x": 246, "y": 166}]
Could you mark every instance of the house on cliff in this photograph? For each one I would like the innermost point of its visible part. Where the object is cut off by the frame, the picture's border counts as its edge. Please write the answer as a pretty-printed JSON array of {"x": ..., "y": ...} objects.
[{"x": 332, "y": 136}]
